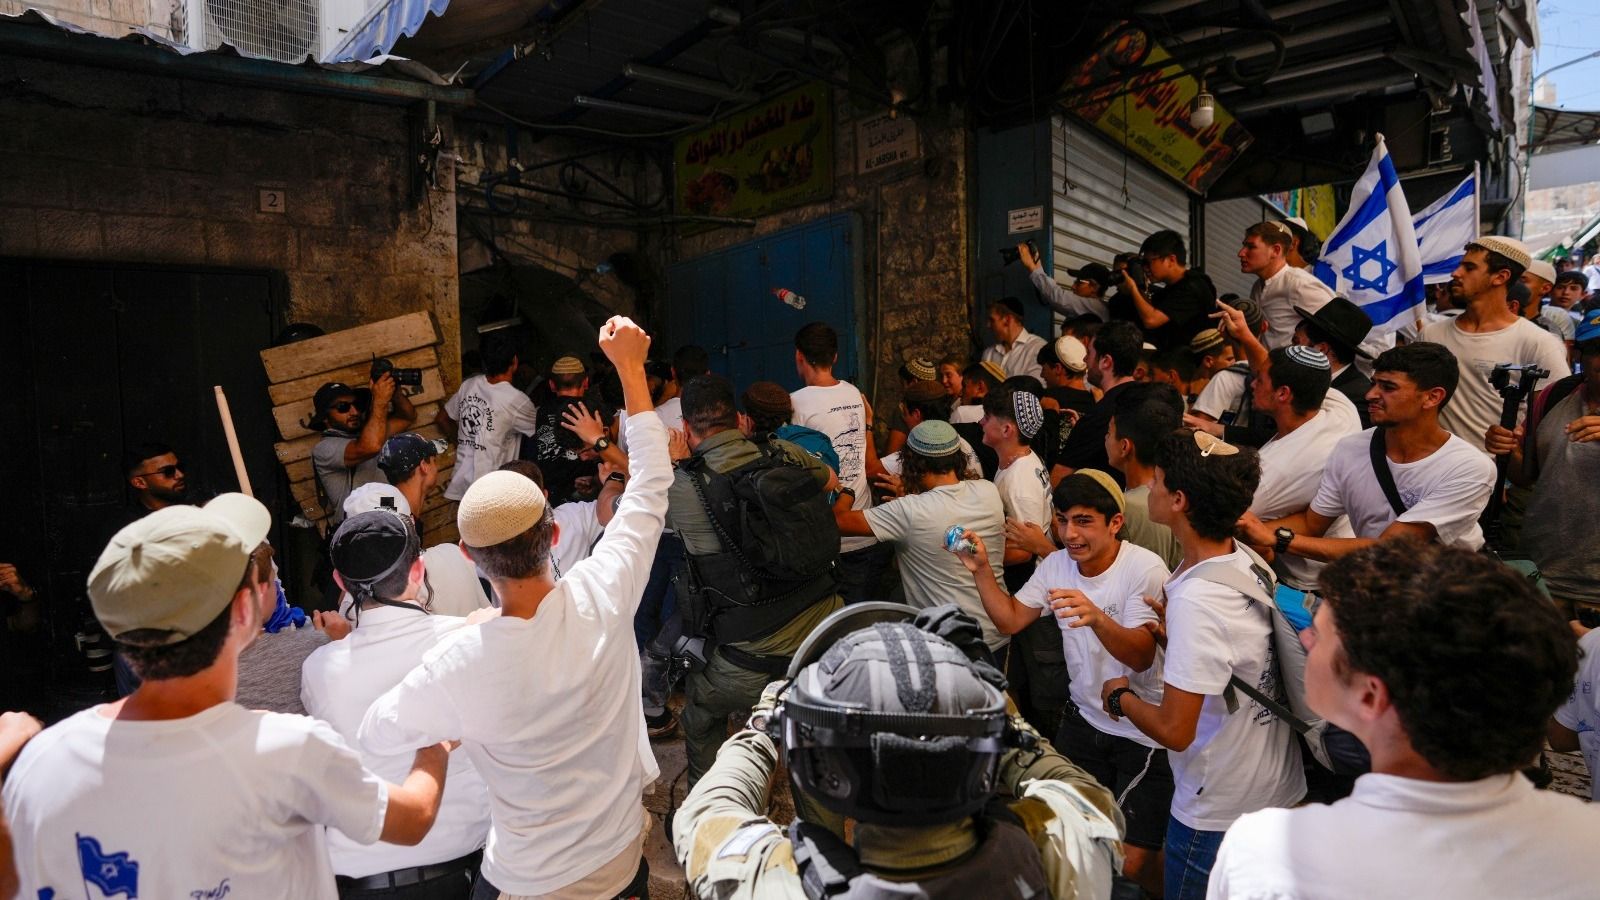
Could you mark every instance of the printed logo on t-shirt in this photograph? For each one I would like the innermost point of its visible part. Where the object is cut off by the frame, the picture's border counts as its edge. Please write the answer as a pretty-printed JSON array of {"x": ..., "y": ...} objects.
[
  {"x": 477, "y": 418},
  {"x": 112, "y": 873}
]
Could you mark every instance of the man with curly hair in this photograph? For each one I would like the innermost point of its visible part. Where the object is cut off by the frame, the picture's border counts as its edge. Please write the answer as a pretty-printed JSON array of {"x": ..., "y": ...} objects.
[
  {"x": 1446, "y": 664},
  {"x": 1229, "y": 754}
]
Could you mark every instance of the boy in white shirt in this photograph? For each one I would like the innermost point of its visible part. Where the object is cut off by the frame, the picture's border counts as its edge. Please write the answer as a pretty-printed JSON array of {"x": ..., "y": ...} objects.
[
  {"x": 175, "y": 790},
  {"x": 1446, "y": 664},
  {"x": 1010, "y": 420},
  {"x": 1096, "y": 589},
  {"x": 377, "y": 558},
  {"x": 486, "y": 417},
  {"x": 839, "y": 410},
  {"x": 1229, "y": 754}
]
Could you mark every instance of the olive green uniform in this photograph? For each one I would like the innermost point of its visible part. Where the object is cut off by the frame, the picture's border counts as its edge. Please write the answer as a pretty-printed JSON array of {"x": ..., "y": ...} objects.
[
  {"x": 722, "y": 688},
  {"x": 730, "y": 850}
]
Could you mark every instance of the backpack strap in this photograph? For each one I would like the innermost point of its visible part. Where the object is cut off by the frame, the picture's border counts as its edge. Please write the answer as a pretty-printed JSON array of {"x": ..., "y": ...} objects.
[
  {"x": 1259, "y": 586},
  {"x": 1380, "y": 469},
  {"x": 1553, "y": 393}
]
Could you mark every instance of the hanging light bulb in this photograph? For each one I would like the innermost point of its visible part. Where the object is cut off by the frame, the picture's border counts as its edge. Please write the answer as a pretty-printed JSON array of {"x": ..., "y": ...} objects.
[{"x": 1203, "y": 110}]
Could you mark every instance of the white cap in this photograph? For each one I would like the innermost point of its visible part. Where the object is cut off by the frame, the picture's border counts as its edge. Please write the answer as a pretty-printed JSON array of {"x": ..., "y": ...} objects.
[{"x": 370, "y": 496}]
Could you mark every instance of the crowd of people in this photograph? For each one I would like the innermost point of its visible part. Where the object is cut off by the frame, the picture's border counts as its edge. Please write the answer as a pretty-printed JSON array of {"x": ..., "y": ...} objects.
[{"x": 1202, "y": 597}]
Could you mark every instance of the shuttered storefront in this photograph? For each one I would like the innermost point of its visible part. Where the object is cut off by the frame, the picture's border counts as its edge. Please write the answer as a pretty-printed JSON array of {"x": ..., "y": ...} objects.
[
  {"x": 1225, "y": 223},
  {"x": 1105, "y": 202}
]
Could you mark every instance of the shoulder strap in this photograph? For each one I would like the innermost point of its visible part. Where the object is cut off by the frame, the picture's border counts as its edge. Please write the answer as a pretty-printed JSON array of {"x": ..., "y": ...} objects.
[
  {"x": 1259, "y": 587},
  {"x": 1553, "y": 393},
  {"x": 1380, "y": 469}
]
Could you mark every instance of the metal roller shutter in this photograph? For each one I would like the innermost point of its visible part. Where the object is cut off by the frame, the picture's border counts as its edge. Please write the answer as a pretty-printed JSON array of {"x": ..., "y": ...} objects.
[
  {"x": 1093, "y": 219},
  {"x": 1226, "y": 221}
]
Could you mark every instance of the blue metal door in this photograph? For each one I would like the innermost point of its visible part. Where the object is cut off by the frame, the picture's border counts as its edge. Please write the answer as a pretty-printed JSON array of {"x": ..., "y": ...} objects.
[{"x": 725, "y": 301}]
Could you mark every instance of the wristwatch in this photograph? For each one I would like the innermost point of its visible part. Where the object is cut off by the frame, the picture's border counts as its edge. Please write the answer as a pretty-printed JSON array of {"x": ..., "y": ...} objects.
[
  {"x": 849, "y": 492},
  {"x": 1114, "y": 701},
  {"x": 1284, "y": 537},
  {"x": 602, "y": 444}
]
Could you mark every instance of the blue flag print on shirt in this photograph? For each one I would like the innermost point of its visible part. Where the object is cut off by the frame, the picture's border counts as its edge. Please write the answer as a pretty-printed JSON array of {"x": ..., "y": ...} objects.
[{"x": 112, "y": 873}]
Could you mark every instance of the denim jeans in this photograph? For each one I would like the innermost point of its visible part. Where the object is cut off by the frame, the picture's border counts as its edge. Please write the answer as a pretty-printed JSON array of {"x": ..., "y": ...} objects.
[{"x": 1190, "y": 855}]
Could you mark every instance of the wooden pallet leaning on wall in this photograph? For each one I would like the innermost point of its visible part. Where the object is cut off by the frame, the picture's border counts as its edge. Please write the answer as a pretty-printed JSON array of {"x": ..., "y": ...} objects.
[{"x": 295, "y": 371}]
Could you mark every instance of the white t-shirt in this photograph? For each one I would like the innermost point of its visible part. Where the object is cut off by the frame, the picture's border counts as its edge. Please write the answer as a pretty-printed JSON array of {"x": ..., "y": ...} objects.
[
  {"x": 1025, "y": 490},
  {"x": 226, "y": 801},
  {"x": 1242, "y": 761},
  {"x": 1592, "y": 272},
  {"x": 488, "y": 419},
  {"x": 1476, "y": 405},
  {"x": 1400, "y": 838},
  {"x": 1279, "y": 295},
  {"x": 452, "y": 587},
  {"x": 337, "y": 684},
  {"x": 891, "y": 463},
  {"x": 1448, "y": 489},
  {"x": 670, "y": 411},
  {"x": 1581, "y": 712},
  {"x": 966, "y": 413},
  {"x": 1225, "y": 389},
  {"x": 916, "y": 525},
  {"x": 1119, "y": 591},
  {"x": 840, "y": 412},
  {"x": 548, "y": 707},
  {"x": 1291, "y": 470},
  {"x": 580, "y": 528}
]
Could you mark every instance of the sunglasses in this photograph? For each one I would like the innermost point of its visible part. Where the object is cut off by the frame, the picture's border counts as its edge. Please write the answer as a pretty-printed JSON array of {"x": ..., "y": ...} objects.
[
  {"x": 164, "y": 471},
  {"x": 343, "y": 406}
]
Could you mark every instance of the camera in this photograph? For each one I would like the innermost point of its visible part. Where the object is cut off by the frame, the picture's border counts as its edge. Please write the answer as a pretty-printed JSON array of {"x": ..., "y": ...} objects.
[
  {"x": 411, "y": 377},
  {"x": 1133, "y": 263},
  {"x": 1009, "y": 255}
]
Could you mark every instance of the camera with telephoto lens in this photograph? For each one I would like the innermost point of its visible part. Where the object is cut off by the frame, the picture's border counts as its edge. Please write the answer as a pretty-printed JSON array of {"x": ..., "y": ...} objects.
[
  {"x": 412, "y": 377},
  {"x": 1133, "y": 264},
  {"x": 1009, "y": 255}
]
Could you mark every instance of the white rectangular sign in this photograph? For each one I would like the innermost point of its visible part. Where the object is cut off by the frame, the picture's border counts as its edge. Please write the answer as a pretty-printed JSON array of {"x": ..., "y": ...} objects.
[
  {"x": 882, "y": 142},
  {"x": 1022, "y": 221}
]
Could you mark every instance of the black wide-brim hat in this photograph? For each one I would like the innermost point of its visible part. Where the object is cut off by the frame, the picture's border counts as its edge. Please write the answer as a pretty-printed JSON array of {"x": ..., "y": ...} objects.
[{"x": 1343, "y": 321}]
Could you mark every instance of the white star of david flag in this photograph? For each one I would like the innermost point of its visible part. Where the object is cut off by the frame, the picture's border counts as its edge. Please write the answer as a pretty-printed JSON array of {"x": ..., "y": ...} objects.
[
  {"x": 1444, "y": 228},
  {"x": 1372, "y": 255}
]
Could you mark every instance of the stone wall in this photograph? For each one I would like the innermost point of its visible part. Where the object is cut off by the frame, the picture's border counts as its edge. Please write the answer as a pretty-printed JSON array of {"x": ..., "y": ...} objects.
[
  {"x": 916, "y": 259},
  {"x": 110, "y": 17},
  {"x": 114, "y": 166}
]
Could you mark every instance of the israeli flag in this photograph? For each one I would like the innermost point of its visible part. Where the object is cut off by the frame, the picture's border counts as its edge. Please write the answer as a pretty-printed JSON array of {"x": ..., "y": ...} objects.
[
  {"x": 1372, "y": 256},
  {"x": 1444, "y": 228}
]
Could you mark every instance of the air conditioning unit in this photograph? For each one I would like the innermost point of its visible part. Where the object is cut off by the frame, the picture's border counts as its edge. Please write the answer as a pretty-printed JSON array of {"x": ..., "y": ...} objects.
[{"x": 282, "y": 30}]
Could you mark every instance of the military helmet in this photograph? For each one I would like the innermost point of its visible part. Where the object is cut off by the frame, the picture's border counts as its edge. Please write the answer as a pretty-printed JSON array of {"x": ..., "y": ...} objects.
[{"x": 891, "y": 724}]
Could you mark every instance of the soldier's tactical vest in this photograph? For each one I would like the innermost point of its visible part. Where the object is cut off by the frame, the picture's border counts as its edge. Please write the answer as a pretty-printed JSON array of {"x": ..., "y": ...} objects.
[{"x": 1005, "y": 866}]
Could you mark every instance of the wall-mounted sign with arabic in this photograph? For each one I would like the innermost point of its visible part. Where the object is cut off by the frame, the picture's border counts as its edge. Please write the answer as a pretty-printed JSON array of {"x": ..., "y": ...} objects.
[
  {"x": 773, "y": 156},
  {"x": 1136, "y": 94}
]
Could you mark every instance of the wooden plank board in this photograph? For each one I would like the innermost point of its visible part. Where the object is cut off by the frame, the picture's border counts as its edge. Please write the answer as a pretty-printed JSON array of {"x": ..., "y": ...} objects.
[
  {"x": 300, "y": 448},
  {"x": 358, "y": 375},
  {"x": 291, "y": 416},
  {"x": 349, "y": 347},
  {"x": 436, "y": 520}
]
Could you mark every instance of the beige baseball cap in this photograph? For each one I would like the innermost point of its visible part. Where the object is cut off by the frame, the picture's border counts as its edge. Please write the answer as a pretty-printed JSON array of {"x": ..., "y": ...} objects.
[
  {"x": 177, "y": 569},
  {"x": 497, "y": 507}
]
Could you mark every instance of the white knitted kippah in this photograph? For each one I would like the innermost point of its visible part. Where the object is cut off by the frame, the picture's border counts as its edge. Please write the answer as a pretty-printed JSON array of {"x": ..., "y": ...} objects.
[{"x": 498, "y": 507}]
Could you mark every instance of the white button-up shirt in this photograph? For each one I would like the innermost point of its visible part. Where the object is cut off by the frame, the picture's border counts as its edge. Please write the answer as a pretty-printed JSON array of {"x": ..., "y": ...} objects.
[
  {"x": 1021, "y": 357},
  {"x": 337, "y": 684}
]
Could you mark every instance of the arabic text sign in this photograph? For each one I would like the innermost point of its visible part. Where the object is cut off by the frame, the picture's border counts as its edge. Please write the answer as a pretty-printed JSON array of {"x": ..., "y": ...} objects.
[{"x": 775, "y": 155}]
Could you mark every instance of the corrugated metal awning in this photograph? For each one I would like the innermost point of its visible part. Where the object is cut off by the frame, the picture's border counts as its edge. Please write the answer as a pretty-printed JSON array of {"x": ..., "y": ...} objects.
[{"x": 382, "y": 26}]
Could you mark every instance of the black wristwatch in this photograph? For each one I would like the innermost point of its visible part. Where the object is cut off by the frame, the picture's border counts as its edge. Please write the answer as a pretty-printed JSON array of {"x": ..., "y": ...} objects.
[
  {"x": 602, "y": 444},
  {"x": 848, "y": 492},
  {"x": 1284, "y": 537},
  {"x": 1114, "y": 701}
]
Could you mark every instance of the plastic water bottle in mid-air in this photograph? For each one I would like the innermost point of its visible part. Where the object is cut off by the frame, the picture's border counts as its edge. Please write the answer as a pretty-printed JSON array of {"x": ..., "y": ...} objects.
[{"x": 789, "y": 297}]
